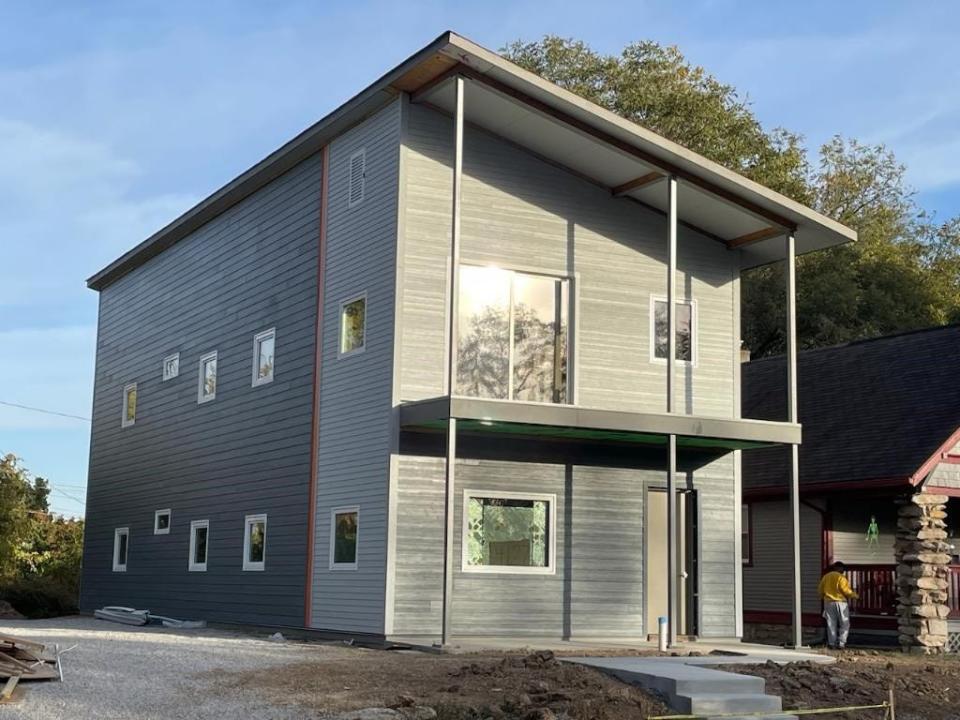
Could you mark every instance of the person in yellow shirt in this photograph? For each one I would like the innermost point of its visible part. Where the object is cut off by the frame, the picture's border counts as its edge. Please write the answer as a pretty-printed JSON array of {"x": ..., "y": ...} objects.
[{"x": 835, "y": 590}]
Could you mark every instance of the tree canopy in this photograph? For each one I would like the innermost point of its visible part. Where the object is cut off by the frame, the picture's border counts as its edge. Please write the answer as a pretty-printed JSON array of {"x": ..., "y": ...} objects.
[{"x": 904, "y": 273}]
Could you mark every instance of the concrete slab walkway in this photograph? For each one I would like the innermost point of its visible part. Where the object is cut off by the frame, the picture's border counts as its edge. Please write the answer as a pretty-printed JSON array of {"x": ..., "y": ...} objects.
[{"x": 690, "y": 685}]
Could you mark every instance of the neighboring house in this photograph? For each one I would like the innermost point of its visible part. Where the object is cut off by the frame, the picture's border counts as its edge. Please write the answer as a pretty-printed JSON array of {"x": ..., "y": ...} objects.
[
  {"x": 275, "y": 436},
  {"x": 881, "y": 422}
]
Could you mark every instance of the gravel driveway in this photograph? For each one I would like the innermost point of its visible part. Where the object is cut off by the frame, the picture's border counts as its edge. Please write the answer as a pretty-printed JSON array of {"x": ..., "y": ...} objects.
[{"x": 125, "y": 672}]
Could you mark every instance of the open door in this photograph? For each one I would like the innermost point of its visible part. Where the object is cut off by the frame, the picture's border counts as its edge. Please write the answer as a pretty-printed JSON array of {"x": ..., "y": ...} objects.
[{"x": 655, "y": 543}]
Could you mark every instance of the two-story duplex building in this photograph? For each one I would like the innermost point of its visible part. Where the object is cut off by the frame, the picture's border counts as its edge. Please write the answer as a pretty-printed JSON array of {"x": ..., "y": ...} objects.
[{"x": 460, "y": 359}]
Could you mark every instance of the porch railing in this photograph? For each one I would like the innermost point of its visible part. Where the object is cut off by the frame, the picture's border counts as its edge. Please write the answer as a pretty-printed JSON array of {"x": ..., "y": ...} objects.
[{"x": 877, "y": 587}]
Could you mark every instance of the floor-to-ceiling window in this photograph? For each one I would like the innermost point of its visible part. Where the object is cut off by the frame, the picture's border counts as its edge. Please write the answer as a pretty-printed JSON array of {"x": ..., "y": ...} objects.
[{"x": 512, "y": 335}]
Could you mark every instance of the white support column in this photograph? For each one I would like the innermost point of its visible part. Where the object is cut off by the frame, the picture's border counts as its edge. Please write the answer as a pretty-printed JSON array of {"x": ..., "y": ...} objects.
[
  {"x": 450, "y": 464},
  {"x": 793, "y": 416},
  {"x": 672, "y": 579}
]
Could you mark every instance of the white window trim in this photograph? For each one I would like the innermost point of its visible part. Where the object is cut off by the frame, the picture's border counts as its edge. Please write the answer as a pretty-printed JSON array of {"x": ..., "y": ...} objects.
[
  {"x": 362, "y": 152},
  {"x": 249, "y": 520},
  {"x": 163, "y": 371},
  {"x": 366, "y": 315},
  {"x": 694, "y": 331},
  {"x": 117, "y": 567},
  {"x": 257, "y": 339},
  {"x": 333, "y": 537},
  {"x": 201, "y": 398},
  {"x": 550, "y": 569},
  {"x": 191, "y": 565},
  {"x": 157, "y": 530},
  {"x": 124, "y": 421}
]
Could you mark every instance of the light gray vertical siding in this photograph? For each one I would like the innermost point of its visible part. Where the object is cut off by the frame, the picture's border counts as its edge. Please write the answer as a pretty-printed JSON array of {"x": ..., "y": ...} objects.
[
  {"x": 768, "y": 582},
  {"x": 356, "y": 391},
  {"x": 597, "y": 589},
  {"x": 520, "y": 211},
  {"x": 247, "y": 451}
]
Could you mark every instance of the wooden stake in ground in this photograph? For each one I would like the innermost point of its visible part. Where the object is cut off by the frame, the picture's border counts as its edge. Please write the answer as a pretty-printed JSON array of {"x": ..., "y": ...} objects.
[{"x": 8, "y": 689}]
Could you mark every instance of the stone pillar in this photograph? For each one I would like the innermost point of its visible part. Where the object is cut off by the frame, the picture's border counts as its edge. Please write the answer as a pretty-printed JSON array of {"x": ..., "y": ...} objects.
[{"x": 923, "y": 571}]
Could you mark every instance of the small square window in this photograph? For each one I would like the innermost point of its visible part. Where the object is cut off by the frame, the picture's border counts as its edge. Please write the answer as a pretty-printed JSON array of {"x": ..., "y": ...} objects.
[
  {"x": 199, "y": 540},
  {"x": 353, "y": 325},
  {"x": 129, "y": 405},
  {"x": 686, "y": 331},
  {"x": 263, "y": 345},
  {"x": 207, "y": 388},
  {"x": 161, "y": 522},
  {"x": 255, "y": 542},
  {"x": 171, "y": 366},
  {"x": 344, "y": 529},
  {"x": 508, "y": 532},
  {"x": 121, "y": 548}
]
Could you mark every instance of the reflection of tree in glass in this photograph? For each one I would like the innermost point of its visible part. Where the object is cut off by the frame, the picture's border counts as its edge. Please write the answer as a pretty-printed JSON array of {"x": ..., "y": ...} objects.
[
  {"x": 256, "y": 542},
  {"x": 484, "y": 352},
  {"x": 684, "y": 346}
]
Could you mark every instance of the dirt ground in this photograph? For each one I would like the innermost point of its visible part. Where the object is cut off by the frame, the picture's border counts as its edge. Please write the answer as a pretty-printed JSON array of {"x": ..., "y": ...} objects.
[
  {"x": 466, "y": 687},
  {"x": 925, "y": 688}
]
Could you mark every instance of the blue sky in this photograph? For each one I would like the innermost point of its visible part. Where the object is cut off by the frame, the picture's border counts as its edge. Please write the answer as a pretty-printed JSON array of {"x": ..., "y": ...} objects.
[{"x": 117, "y": 116}]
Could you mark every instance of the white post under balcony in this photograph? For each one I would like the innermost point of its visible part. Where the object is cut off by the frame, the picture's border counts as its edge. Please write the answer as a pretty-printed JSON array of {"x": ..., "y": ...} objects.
[
  {"x": 793, "y": 417},
  {"x": 672, "y": 613},
  {"x": 449, "y": 466}
]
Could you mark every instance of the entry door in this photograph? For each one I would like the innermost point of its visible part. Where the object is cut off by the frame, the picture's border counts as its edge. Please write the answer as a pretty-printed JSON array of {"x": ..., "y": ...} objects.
[{"x": 656, "y": 561}]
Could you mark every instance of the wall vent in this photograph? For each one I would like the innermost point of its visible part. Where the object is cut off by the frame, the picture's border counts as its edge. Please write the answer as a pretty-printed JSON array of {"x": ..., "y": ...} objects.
[{"x": 358, "y": 175}]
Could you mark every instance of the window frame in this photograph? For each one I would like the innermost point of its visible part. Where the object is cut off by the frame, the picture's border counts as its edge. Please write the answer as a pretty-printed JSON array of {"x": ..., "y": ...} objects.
[
  {"x": 549, "y": 498},
  {"x": 195, "y": 566},
  {"x": 351, "y": 203},
  {"x": 248, "y": 564},
  {"x": 256, "y": 380},
  {"x": 363, "y": 345},
  {"x": 157, "y": 530},
  {"x": 117, "y": 533},
  {"x": 201, "y": 398},
  {"x": 124, "y": 420},
  {"x": 572, "y": 319},
  {"x": 694, "y": 331},
  {"x": 344, "y": 510},
  {"x": 746, "y": 535},
  {"x": 163, "y": 368}
]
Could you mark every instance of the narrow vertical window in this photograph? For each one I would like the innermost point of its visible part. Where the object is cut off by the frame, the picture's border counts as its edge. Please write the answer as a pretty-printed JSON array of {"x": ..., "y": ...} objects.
[
  {"x": 344, "y": 529},
  {"x": 255, "y": 542},
  {"x": 171, "y": 366},
  {"x": 129, "y": 405},
  {"x": 161, "y": 522},
  {"x": 686, "y": 320},
  {"x": 121, "y": 547},
  {"x": 353, "y": 325},
  {"x": 199, "y": 539},
  {"x": 746, "y": 534},
  {"x": 358, "y": 177},
  {"x": 263, "y": 345},
  {"x": 207, "y": 389}
]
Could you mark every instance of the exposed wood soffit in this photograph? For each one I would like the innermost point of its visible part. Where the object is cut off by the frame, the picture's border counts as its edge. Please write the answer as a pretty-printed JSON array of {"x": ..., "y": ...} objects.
[
  {"x": 637, "y": 183},
  {"x": 576, "y": 173},
  {"x": 426, "y": 72},
  {"x": 664, "y": 166},
  {"x": 754, "y": 237}
]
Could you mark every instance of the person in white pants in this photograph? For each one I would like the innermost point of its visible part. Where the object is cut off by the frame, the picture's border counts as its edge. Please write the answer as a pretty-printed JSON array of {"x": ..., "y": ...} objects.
[{"x": 835, "y": 591}]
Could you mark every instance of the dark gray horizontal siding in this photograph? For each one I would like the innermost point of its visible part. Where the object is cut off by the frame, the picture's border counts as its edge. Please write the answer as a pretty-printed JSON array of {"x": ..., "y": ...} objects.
[
  {"x": 356, "y": 390},
  {"x": 247, "y": 451}
]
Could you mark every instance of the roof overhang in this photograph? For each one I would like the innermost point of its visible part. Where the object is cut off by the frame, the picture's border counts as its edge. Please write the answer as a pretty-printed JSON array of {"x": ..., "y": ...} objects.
[
  {"x": 557, "y": 125},
  {"x": 570, "y": 423}
]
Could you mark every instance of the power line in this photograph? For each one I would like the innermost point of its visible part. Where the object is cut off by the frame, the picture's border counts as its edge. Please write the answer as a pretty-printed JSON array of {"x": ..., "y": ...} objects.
[
  {"x": 41, "y": 410},
  {"x": 68, "y": 495}
]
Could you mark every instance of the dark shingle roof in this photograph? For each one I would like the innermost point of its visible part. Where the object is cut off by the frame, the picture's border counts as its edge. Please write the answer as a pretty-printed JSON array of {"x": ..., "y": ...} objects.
[{"x": 871, "y": 410}]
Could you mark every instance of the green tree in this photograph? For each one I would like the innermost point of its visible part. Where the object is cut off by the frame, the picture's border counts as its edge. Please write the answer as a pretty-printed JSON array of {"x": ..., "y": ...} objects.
[{"x": 904, "y": 273}]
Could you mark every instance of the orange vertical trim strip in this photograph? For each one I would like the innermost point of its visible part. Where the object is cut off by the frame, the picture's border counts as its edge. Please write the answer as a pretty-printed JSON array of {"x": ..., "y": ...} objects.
[{"x": 317, "y": 364}]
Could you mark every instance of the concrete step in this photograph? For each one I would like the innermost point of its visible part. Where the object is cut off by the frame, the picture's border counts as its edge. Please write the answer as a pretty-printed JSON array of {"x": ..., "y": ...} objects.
[
  {"x": 724, "y": 702},
  {"x": 717, "y": 682}
]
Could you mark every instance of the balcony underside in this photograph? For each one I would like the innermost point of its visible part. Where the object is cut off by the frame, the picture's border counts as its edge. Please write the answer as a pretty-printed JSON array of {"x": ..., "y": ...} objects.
[{"x": 569, "y": 423}]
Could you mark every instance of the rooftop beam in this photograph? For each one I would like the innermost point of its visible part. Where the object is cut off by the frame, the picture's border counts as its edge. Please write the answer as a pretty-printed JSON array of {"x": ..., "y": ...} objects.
[
  {"x": 637, "y": 183},
  {"x": 754, "y": 237}
]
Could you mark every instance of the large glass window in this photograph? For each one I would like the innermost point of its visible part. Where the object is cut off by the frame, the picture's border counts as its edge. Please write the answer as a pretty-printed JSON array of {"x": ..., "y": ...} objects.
[
  {"x": 512, "y": 335},
  {"x": 685, "y": 330},
  {"x": 507, "y": 532}
]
